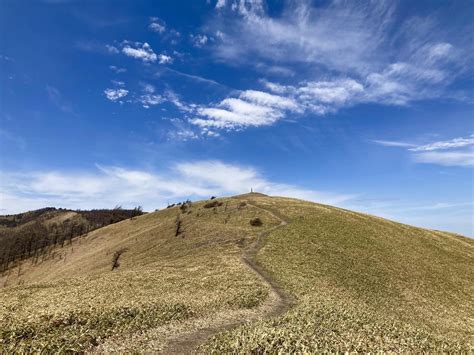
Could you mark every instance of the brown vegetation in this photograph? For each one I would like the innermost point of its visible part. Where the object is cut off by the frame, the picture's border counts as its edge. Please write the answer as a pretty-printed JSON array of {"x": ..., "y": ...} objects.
[
  {"x": 256, "y": 222},
  {"x": 34, "y": 234}
]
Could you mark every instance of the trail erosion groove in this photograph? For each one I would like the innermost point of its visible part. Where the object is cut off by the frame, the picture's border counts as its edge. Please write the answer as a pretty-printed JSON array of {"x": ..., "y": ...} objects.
[{"x": 277, "y": 303}]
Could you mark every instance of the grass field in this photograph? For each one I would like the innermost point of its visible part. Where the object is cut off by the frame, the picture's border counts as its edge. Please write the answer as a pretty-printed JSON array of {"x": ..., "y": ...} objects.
[
  {"x": 73, "y": 300},
  {"x": 361, "y": 284},
  {"x": 358, "y": 283}
]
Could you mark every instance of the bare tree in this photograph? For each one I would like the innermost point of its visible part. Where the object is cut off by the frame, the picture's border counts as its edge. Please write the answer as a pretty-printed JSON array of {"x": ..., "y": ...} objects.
[
  {"x": 178, "y": 225},
  {"x": 116, "y": 257}
]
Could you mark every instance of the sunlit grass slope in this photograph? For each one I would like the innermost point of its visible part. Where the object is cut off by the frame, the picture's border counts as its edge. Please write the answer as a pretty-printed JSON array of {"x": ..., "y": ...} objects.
[
  {"x": 74, "y": 301},
  {"x": 361, "y": 283}
]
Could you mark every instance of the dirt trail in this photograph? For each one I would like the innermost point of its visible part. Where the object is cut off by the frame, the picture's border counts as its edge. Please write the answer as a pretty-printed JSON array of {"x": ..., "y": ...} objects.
[{"x": 277, "y": 303}]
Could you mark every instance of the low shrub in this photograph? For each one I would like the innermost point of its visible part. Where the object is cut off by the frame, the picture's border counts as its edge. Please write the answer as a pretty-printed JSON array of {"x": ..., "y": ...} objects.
[
  {"x": 213, "y": 204},
  {"x": 256, "y": 222}
]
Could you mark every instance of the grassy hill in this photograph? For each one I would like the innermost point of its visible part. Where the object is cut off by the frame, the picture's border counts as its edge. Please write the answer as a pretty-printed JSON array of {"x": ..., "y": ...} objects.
[
  {"x": 309, "y": 278},
  {"x": 34, "y": 233}
]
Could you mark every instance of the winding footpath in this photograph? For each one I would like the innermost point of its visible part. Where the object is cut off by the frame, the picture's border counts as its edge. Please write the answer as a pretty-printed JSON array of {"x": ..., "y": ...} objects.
[{"x": 277, "y": 303}]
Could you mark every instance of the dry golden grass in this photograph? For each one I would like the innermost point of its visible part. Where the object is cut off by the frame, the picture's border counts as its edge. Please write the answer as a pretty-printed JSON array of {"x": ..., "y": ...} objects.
[
  {"x": 359, "y": 283},
  {"x": 73, "y": 301}
]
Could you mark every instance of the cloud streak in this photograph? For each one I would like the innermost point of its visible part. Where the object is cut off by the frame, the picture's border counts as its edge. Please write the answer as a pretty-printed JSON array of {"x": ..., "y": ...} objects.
[
  {"x": 454, "y": 152},
  {"x": 359, "y": 52},
  {"x": 111, "y": 185}
]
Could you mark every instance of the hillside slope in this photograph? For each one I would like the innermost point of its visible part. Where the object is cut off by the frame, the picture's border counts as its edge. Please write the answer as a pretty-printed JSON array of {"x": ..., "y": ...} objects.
[
  {"x": 356, "y": 282},
  {"x": 33, "y": 233}
]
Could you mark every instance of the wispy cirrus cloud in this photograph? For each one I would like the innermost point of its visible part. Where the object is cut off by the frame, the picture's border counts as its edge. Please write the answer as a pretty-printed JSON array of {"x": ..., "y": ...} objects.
[
  {"x": 354, "y": 53},
  {"x": 394, "y": 144},
  {"x": 453, "y": 152},
  {"x": 111, "y": 185},
  {"x": 117, "y": 70},
  {"x": 197, "y": 78},
  {"x": 451, "y": 158},
  {"x": 57, "y": 99},
  {"x": 443, "y": 145},
  {"x": 304, "y": 34},
  {"x": 360, "y": 52}
]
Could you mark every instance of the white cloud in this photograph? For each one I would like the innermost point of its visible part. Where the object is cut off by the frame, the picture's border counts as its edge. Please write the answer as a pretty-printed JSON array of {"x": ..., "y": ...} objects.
[
  {"x": 454, "y": 152},
  {"x": 110, "y": 186},
  {"x": 164, "y": 59},
  {"x": 260, "y": 108},
  {"x": 387, "y": 60},
  {"x": 115, "y": 94},
  {"x": 277, "y": 88},
  {"x": 148, "y": 100},
  {"x": 117, "y": 82},
  {"x": 112, "y": 49},
  {"x": 157, "y": 25},
  {"x": 199, "y": 40},
  {"x": 394, "y": 144},
  {"x": 174, "y": 98},
  {"x": 439, "y": 51},
  {"x": 148, "y": 88},
  {"x": 117, "y": 69},
  {"x": 452, "y": 158},
  {"x": 141, "y": 51},
  {"x": 453, "y": 143},
  {"x": 232, "y": 113},
  {"x": 266, "y": 99},
  {"x": 220, "y": 4},
  {"x": 330, "y": 92},
  {"x": 181, "y": 131},
  {"x": 338, "y": 36}
]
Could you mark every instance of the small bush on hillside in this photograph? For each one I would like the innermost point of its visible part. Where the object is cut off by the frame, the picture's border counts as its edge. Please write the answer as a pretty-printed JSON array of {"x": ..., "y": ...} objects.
[
  {"x": 213, "y": 204},
  {"x": 185, "y": 205},
  {"x": 241, "y": 205},
  {"x": 256, "y": 222}
]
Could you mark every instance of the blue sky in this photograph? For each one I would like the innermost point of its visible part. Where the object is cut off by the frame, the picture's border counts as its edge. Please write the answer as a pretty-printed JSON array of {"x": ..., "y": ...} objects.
[{"x": 363, "y": 105}]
